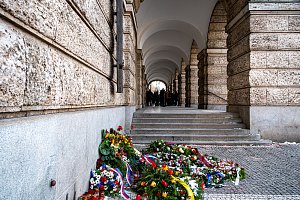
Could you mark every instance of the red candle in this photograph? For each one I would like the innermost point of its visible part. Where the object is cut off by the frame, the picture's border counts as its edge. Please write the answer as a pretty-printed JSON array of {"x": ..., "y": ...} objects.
[{"x": 138, "y": 197}]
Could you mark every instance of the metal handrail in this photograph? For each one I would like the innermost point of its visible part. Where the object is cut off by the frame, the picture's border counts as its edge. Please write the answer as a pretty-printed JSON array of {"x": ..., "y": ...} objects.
[{"x": 216, "y": 95}]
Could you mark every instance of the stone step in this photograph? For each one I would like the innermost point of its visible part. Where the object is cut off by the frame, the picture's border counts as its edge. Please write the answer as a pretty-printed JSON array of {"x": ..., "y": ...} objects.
[
  {"x": 186, "y": 120},
  {"x": 189, "y": 125},
  {"x": 221, "y": 115},
  {"x": 192, "y": 138},
  {"x": 203, "y": 131},
  {"x": 143, "y": 145}
]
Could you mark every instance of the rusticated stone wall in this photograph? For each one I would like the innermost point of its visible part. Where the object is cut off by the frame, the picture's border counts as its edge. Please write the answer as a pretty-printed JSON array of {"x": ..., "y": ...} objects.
[
  {"x": 129, "y": 55},
  {"x": 264, "y": 71},
  {"x": 58, "y": 56},
  {"x": 213, "y": 63}
]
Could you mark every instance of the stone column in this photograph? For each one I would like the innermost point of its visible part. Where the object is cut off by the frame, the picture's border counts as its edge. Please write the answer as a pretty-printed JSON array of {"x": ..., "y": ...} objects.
[
  {"x": 264, "y": 56},
  {"x": 188, "y": 86},
  {"x": 194, "y": 77},
  {"x": 216, "y": 60},
  {"x": 179, "y": 90},
  {"x": 183, "y": 79},
  {"x": 202, "y": 79},
  {"x": 129, "y": 55},
  {"x": 139, "y": 80}
]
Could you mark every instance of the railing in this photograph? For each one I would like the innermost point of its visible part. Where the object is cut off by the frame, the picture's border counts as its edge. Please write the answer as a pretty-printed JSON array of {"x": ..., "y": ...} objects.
[{"x": 217, "y": 96}]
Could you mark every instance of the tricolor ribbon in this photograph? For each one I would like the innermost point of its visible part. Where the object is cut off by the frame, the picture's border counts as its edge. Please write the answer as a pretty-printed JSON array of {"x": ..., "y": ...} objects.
[
  {"x": 122, "y": 191},
  {"x": 149, "y": 159},
  {"x": 188, "y": 189},
  {"x": 128, "y": 174}
]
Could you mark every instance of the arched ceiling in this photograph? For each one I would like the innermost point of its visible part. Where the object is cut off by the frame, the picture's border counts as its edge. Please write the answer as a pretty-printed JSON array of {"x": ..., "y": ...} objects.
[{"x": 166, "y": 30}]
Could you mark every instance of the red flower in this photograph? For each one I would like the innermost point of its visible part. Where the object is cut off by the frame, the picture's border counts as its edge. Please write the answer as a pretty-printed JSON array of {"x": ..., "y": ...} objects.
[
  {"x": 194, "y": 151},
  {"x": 90, "y": 191},
  {"x": 164, "y": 183},
  {"x": 120, "y": 128},
  {"x": 170, "y": 172},
  {"x": 181, "y": 192},
  {"x": 101, "y": 187},
  {"x": 158, "y": 194},
  {"x": 103, "y": 179},
  {"x": 202, "y": 185},
  {"x": 138, "y": 197}
]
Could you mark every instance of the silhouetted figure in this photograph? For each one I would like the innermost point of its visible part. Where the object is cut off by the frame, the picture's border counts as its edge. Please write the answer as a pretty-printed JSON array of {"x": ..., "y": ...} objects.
[
  {"x": 156, "y": 98},
  {"x": 162, "y": 97},
  {"x": 176, "y": 98}
]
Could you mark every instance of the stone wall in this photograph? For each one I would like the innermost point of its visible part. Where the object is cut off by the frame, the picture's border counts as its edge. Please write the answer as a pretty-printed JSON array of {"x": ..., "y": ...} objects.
[
  {"x": 57, "y": 62},
  {"x": 263, "y": 55},
  {"x": 55, "y": 54},
  {"x": 213, "y": 63}
]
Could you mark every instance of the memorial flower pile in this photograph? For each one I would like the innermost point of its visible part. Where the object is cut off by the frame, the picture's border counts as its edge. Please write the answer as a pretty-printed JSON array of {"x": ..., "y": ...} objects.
[{"x": 162, "y": 171}]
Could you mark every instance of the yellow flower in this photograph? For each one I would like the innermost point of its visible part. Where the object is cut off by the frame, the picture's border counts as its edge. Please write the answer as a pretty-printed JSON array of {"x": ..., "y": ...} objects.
[
  {"x": 164, "y": 194},
  {"x": 176, "y": 173},
  {"x": 153, "y": 184},
  {"x": 173, "y": 181},
  {"x": 143, "y": 184}
]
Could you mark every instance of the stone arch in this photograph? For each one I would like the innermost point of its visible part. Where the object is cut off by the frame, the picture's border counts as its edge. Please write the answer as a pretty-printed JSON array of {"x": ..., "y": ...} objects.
[{"x": 213, "y": 63}]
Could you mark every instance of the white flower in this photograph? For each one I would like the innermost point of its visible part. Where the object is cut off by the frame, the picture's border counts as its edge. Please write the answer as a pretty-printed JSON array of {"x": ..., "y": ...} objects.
[
  {"x": 92, "y": 187},
  {"x": 92, "y": 181},
  {"x": 105, "y": 187}
]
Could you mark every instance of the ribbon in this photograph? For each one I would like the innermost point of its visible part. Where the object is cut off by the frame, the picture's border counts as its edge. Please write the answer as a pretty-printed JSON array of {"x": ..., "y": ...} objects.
[
  {"x": 122, "y": 191},
  {"x": 149, "y": 159},
  {"x": 128, "y": 174},
  {"x": 204, "y": 161},
  {"x": 237, "y": 180},
  {"x": 188, "y": 189}
]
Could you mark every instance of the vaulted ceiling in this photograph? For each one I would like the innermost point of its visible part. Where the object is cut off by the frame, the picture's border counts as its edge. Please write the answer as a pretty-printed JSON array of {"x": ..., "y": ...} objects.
[{"x": 166, "y": 30}]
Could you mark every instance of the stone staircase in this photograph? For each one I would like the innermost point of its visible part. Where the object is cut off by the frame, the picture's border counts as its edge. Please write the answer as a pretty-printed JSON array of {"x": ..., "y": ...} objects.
[{"x": 191, "y": 126}]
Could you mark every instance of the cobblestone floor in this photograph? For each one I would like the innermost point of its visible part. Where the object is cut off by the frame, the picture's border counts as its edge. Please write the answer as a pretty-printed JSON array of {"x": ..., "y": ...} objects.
[{"x": 273, "y": 172}]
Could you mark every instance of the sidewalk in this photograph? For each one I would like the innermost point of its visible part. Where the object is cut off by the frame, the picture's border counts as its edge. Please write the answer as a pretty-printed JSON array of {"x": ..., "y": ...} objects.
[{"x": 273, "y": 172}]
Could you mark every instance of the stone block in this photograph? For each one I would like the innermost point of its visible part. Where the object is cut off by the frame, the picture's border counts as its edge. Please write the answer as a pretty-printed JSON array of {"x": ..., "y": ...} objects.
[
  {"x": 217, "y": 26},
  {"x": 294, "y": 23},
  {"x": 239, "y": 64},
  {"x": 294, "y": 96},
  {"x": 213, "y": 79},
  {"x": 217, "y": 89},
  {"x": 289, "y": 77},
  {"x": 217, "y": 35},
  {"x": 218, "y": 19},
  {"x": 99, "y": 19},
  {"x": 258, "y": 96},
  {"x": 264, "y": 41},
  {"x": 241, "y": 48},
  {"x": 12, "y": 68},
  {"x": 277, "y": 59},
  {"x": 289, "y": 41},
  {"x": 263, "y": 77},
  {"x": 239, "y": 97},
  {"x": 258, "y": 59},
  {"x": 294, "y": 59},
  {"x": 277, "y": 96},
  {"x": 216, "y": 43},
  {"x": 268, "y": 23},
  {"x": 217, "y": 59},
  {"x": 238, "y": 81},
  {"x": 238, "y": 32}
]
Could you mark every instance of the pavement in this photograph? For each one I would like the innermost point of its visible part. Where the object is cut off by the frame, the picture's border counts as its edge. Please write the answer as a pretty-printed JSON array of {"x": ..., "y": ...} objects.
[{"x": 273, "y": 172}]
